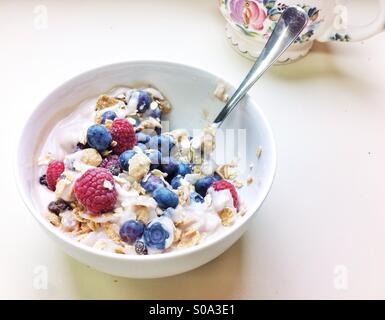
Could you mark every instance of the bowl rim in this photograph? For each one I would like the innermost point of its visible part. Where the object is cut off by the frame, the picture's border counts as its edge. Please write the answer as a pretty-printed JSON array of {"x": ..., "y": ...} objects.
[{"x": 250, "y": 212}]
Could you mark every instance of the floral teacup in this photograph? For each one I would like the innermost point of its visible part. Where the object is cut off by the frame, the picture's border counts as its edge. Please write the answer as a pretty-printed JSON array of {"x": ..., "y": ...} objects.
[{"x": 250, "y": 23}]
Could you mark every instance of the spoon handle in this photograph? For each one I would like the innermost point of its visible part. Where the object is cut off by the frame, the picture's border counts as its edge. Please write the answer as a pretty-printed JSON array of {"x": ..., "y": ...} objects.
[{"x": 289, "y": 26}]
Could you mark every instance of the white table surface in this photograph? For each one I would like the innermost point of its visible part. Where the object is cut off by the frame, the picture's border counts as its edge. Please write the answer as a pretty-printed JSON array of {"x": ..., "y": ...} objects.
[{"x": 321, "y": 231}]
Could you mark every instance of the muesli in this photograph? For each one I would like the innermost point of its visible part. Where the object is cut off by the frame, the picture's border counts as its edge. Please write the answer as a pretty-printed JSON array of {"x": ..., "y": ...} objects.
[{"x": 130, "y": 188}]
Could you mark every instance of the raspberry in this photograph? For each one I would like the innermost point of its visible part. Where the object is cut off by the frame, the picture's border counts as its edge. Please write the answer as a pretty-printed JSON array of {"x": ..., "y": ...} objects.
[
  {"x": 112, "y": 164},
  {"x": 222, "y": 185},
  {"x": 95, "y": 190},
  {"x": 123, "y": 134},
  {"x": 54, "y": 170}
]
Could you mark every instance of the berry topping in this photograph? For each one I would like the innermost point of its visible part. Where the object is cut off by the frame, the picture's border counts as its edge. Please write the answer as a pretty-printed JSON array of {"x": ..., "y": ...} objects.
[
  {"x": 163, "y": 143},
  {"x": 223, "y": 185},
  {"x": 217, "y": 176},
  {"x": 183, "y": 168},
  {"x": 169, "y": 213},
  {"x": 155, "y": 236},
  {"x": 112, "y": 164},
  {"x": 108, "y": 115},
  {"x": 158, "y": 131},
  {"x": 140, "y": 248},
  {"x": 141, "y": 99},
  {"x": 155, "y": 158},
  {"x": 58, "y": 206},
  {"x": 151, "y": 182},
  {"x": 142, "y": 146},
  {"x": 123, "y": 134},
  {"x": 134, "y": 120},
  {"x": 131, "y": 230},
  {"x": 54, "y": 170},
  {"x": 153, "y": 112},
  {"x": 99, "y": 137},
  {"x": 165, "y": 198},
  {"x": 170, "y": 166},
  {"x": 125, "y": 157},
  {"x": 81, "y": 146},
  {"x": 95, "y": 190},
  {"x": 142, "y": 137},
  {"x": 175, "y": 182},
  {"x": 43, "y": 180},
  {"x": 202, "y": 185},
  {"x": 196, "y": 197}
]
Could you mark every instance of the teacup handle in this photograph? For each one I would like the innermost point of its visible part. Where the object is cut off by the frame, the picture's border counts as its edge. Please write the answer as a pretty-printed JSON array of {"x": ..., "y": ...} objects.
[{"x": 340, "y": 30}]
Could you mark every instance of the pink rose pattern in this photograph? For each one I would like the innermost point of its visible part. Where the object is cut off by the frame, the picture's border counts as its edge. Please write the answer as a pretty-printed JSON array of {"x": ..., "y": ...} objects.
[
  {"x": 248, "y": 12},
  {"x": 258, "y": 18},
  {"x": 236, "y": 10}
]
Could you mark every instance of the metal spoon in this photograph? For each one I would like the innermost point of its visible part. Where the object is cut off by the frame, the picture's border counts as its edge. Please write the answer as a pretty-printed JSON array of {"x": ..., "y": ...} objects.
[{"x": 289, "y": 26}]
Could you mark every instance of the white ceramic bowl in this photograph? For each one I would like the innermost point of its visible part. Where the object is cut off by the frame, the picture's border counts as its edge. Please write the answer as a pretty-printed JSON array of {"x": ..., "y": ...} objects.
[{"x": 190, "y": 91}]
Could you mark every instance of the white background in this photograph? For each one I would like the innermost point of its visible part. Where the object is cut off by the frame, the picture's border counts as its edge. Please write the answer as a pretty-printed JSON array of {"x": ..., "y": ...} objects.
[{"x": 326, "y": 208}]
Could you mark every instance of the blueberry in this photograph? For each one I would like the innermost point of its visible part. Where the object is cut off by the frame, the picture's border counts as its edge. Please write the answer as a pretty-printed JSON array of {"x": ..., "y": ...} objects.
[
  {"x": 158, "y": 131},
  {"x": 154, "y": 142},
  {"x": 155, "y": 158},
  {"x": 170, "y": 166},
  {"x": 142, "y": 137},
  {"x": 196, "y": 197},
  {"x": 155, "y": 113},
  {"x": 151, "y": 183},
  {"x": 217, "y": 176},
  {"x": 134, "y": 120},
  {"x": 110, "y": 115},
  {"x": 131, "y": 230},
  {"x": 142, "y": 100},
  {"x": 203, "y": 184},
  {"x": 142, "y": 146},
  {"x": 163, "y": 143},
  {"x": 99, "y": 137},
  {"x": 165, "y": 198},
  {"x": 155, "y": 236},
  {"x": 183, "y": 168},
  {"x": 175, "y": 182},
  {"x": 125, "y": 157}
]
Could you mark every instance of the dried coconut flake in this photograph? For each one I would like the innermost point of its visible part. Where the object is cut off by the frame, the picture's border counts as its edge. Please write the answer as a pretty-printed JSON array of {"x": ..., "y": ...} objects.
[
  {"x": 111, "y": 232},
  {"x": 54, "y": 219},
  {"x": 105, "y": 101},
  {"x": 108, "y": 185},
  {"x": 227, "y": 216},
  {"x": 189, "y": 238},
  {"x": 91, "y": 157},
  {"x": 45, "y": 160},
  {"x": 220, "y": 92}
]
